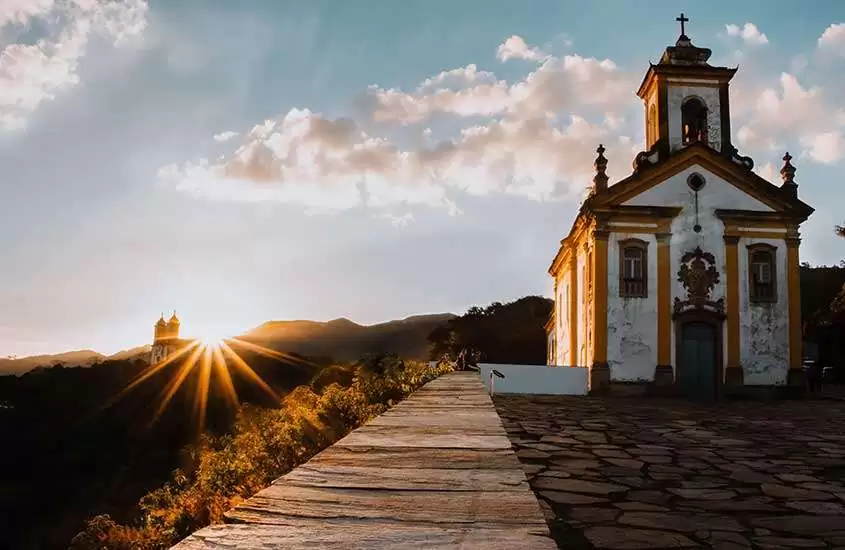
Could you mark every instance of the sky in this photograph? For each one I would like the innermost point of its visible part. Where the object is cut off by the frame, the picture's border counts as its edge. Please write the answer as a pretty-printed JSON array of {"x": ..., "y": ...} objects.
[{"x": 246, "y": 161}]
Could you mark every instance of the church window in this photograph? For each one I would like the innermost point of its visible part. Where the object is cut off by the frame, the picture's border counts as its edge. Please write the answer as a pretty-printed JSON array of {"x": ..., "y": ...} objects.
[
  {"x": 694, "y": 120},
  {"x": 761, "y": 273},
  {"x": 633, "y": 272}
]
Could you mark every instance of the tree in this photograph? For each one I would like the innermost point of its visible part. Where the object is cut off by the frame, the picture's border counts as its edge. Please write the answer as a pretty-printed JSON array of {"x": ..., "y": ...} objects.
[
  {"x": 838, "y": 304},
  {"x": 502, "y": 333}
]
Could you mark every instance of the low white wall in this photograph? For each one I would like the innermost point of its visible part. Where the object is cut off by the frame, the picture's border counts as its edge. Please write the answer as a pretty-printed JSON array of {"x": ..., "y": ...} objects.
[{"x": 536, "y": 379}]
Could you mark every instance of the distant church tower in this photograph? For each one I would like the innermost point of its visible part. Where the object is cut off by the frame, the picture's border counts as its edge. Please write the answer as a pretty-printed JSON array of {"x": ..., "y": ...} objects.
[{"x": 165, "y": 339}]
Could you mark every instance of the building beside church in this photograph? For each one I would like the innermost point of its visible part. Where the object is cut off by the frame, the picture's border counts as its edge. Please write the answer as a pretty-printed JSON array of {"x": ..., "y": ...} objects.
[
  {"x": 684, "y": 276},
  {"x": 165, "y": 339}
]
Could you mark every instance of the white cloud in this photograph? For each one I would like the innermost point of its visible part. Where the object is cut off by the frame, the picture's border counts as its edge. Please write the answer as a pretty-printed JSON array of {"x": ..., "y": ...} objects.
[
  {"x": 462, "y": 76},
  {"x": 33, "y": 73},
  {"x": 791, "y": 113},
  {"x": 769, "y": 173},
  {"x": 833, "y": 38},
  {"x": 304, "y": 158},
  {"x": 558, "y": 84},
  {"x": 748, "y": 32},
  {"x": 516, "y": 48},
  {"x": 530, "y": 144},
  {"x": 525, "y": 138},
  {"x": 825, "y": 148},
  {"x": 798, "y": 64},
  {"x": 399, "y": 221},
  {"x": 21, "y": 11},
  {"x": 225, "y": 136}
]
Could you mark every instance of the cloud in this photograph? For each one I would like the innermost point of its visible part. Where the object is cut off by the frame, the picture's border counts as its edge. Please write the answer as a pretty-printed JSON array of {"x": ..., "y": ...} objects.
[
  {"x": 558, "y": 84},
  {"x": 748, "y": 32},
  {"x": 798, "y": 64},
  {"x": 21, "y": 11},
  {"x": 31, "y": 73},
  {"x": 528, "y": 138},
  {"x": 399, "y": 221},
  {"x": 768, "y": 172},
  {"x": 331, "y": 164},
  {"x": 792, "y": 113},
  {"x": 825, "y": 148},
  {"x": 225, "y": 136},
  {"x": 464, "y": 91},
  {"x": 516, "y": 48},
  {"x": 833, "y": 39}
]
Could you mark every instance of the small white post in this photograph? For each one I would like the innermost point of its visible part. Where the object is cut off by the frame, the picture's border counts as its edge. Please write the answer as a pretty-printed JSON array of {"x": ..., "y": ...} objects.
[{"x": 492, "y": 383}]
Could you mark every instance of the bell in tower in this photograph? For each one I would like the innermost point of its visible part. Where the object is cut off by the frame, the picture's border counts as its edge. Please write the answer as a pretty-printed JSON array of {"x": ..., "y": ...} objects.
[{"x": 693, "y": 121}]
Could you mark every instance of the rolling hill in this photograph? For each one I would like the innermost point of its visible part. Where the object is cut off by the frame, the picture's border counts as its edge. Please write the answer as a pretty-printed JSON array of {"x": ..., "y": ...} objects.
[
  {"x": 344, "y": 340},
  {"x": 78, "y": 358},
  {"x": 340, "y": 339}
]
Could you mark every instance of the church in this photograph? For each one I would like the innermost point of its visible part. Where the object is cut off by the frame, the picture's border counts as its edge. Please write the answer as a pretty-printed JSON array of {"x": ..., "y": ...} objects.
[
  {"x": 165, "y": 339},
  {"x": 683, "y": 278}
]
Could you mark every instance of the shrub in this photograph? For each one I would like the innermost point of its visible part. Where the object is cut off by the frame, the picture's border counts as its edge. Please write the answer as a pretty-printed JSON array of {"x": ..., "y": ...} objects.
[{"x": 263, "y": 445}]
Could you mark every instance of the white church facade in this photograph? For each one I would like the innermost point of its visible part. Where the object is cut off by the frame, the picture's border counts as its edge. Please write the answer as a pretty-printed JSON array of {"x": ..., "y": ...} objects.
[{"x": 684, "y": 275}]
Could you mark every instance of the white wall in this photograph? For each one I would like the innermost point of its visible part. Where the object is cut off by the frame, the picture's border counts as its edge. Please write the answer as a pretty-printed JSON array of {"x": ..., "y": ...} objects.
[
  {"x": 710, "y": 96},
  {"x": 562, "y": 327},
  {"x": 717, "y": 193},
  {"x": 764, "y": 328},
  {"x": 631, "y": 322},
  {"x": 580, "y": 330},
  {"x": 536, "y": 379}
]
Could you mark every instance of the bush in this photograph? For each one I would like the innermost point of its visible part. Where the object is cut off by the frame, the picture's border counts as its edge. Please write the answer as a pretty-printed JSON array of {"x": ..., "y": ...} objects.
[{"x": 263, "y": 445}]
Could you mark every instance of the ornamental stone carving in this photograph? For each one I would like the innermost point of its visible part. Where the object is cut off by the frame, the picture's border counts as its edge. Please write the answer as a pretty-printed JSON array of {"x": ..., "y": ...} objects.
[{"x": 699, "y": 275}]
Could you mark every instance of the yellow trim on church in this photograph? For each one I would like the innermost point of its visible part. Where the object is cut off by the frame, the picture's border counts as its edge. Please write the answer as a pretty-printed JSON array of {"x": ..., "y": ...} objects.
[
  {"x": 600, "y": 277},
  {"x": 573, "y": 310}
]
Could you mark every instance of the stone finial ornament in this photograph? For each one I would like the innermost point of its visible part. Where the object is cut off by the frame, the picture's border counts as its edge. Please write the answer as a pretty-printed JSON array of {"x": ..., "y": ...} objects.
[
  {"x": 788, "y": 175},
  {"x": 788, "y": 171},
  {"x": 600, "y": 179}
]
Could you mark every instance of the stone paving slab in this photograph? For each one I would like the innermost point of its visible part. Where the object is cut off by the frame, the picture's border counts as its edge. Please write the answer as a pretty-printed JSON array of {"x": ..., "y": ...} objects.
[
  {"x": 436, "y": 471},
  {"x": 404, "y": 479},
  {"x": 421, "y": 457},
  {"x": 491, "y": 509},
  {"x": 630, "y": 474},
  {"x": 338, "y": 536}
]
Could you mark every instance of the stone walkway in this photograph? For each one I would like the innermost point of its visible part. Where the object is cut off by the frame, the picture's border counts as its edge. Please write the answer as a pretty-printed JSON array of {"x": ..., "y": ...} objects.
[
  {"x": 436, "y": 471},
  {"x": 634, "y": 474}
]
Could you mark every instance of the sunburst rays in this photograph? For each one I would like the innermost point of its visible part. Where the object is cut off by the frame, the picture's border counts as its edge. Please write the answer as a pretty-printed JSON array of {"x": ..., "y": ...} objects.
[{"x": 211, "y": 361}]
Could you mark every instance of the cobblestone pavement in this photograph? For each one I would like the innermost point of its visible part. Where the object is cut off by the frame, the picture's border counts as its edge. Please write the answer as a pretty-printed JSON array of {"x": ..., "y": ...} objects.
[{"x": 651, "y": 473}]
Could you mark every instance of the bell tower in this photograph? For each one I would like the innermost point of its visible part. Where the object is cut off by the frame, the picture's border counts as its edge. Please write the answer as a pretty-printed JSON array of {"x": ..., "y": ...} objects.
[{"x": 686, "y": 102}]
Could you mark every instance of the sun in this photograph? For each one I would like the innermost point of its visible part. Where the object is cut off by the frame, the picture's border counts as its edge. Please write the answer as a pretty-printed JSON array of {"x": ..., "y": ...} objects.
[
  {"x": 213, "y": 338},
  {"x": 214, "y": 355}
]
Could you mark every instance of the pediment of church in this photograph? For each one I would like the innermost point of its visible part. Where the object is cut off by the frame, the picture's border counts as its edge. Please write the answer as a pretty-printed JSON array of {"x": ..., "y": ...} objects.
[{"x": 732, "y": 186}]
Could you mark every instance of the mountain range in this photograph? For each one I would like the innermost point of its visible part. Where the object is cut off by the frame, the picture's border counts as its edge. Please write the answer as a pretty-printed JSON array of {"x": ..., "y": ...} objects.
[{"x": 339, "y": 339}]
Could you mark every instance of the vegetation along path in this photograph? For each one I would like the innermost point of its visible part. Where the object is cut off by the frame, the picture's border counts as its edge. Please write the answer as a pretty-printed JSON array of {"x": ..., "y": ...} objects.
[{"x": 436, "y": 471}]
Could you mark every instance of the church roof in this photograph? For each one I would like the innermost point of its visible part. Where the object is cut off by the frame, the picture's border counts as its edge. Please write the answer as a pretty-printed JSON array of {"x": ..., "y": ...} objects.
[
  {"x": 685, "y": 60},
  {"x": 612, "y": 198},
  {"x": 720, "y": 74},
  {"x": 698, "y": 153}
]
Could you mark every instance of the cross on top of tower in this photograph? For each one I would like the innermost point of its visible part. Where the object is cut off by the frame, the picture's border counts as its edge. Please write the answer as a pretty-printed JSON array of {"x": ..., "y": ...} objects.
[{"x": 682, "y": 19}]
